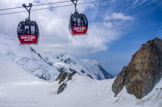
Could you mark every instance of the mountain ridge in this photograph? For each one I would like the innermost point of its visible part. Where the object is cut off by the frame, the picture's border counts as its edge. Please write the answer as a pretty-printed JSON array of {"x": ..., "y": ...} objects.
[{"x": 68, "y": 63}]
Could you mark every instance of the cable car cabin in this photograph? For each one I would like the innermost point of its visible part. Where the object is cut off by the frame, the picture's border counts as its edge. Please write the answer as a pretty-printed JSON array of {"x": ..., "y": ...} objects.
[
  {"x": 78, "y": 24},
  {"x": 28, "y": 32}
]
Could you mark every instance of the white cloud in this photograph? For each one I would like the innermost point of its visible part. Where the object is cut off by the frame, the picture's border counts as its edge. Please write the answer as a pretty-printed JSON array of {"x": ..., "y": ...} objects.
[
  {"x": 118, "y": 16},
  {"x": 54, "y": 32}
]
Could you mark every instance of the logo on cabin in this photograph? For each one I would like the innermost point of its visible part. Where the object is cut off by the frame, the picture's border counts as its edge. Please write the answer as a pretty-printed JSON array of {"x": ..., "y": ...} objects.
[
  {"x": 28, "y": 37},
  {"x": 80, "y": 29}
]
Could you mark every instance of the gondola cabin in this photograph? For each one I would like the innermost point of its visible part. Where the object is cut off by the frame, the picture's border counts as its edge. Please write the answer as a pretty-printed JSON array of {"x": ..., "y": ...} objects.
[
  {"x": 28, "y": 32},
  {"x": 78, "y": 24}
]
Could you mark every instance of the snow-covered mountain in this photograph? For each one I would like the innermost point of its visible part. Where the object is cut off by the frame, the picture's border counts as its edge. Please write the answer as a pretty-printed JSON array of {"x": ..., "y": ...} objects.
[
  {"x": 96, "y": 69},
  {"x": 26, "y": 58},
  {"x": 31, "y": 61},
  {"x": 67, "y": 63}
]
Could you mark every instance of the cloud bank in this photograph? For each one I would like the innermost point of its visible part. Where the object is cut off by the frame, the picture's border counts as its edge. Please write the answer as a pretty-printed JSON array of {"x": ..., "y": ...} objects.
[{"x": 54, "y": 32}]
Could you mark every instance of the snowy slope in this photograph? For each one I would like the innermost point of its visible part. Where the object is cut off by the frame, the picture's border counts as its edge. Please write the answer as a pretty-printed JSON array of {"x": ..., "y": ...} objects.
[
  {"x": 29, "y": 91},
  {"x": 26, "y": 58}
]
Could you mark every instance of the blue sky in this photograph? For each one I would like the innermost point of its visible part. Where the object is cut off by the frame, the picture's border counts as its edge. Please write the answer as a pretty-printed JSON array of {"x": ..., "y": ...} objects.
[
  {"x": 147, "y": 25},
  {"x": 117, "y": 28}
]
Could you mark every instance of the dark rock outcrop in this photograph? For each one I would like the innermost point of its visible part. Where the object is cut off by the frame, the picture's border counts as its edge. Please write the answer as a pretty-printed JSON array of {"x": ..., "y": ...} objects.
[
  {"x": 143, "y": 72},
  {"x": 64, "y": 76},
  {"x": 62, "y": 79},
  {"x": 61, "y": 87}
]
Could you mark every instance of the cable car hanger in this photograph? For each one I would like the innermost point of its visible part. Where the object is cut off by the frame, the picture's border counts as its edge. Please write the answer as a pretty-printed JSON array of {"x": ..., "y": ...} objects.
[
  {"x": 75, "y": 4},
  {"x": 26, "y": 7}
]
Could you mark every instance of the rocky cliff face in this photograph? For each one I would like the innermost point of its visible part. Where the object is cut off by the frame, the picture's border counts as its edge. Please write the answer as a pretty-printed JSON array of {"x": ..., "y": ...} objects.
[{"x": 143, "y": 72}]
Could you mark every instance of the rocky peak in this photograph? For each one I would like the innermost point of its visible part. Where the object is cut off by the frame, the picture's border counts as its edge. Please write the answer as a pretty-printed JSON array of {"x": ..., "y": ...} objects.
[{"x": 143, "y": 72}]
